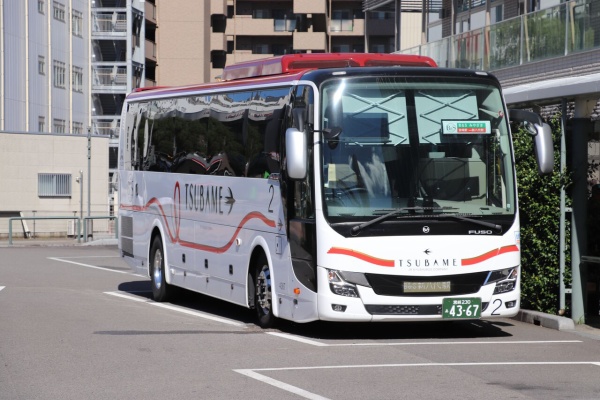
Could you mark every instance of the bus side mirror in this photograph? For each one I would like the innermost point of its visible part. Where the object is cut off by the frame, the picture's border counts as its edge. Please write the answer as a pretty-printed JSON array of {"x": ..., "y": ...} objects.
[
  {"x": 544, "y": 149},
  {"x": 296, "y": 153},
  {"x": 542, "y": 138}
]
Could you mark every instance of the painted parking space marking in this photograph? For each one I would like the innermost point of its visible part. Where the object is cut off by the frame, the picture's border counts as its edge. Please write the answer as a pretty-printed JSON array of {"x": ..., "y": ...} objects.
[
  {"x": 88, "y": 265},
  {"x": 88, "y": 257},
  {"x": 65, "y": 260},
  {"x": 281, "y": 385},
  {"x": 127, "y": 296},
  {"x": 178, "y": 309},
  {"x": 2, "y": 287},
  {"x": 256, "y": 373},
  {"x": 311, "y": 342},
  {"x": 297, "y": 339}
]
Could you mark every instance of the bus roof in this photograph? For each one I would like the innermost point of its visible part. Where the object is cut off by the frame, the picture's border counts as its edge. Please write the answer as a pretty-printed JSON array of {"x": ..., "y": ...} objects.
[
  {"x": 298, "y": 62},
  {"x": 288, "y": 68}
]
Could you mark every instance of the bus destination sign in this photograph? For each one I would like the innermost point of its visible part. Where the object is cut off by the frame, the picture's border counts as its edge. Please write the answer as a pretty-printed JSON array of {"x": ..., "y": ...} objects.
[{"x": 466, "y": 127}]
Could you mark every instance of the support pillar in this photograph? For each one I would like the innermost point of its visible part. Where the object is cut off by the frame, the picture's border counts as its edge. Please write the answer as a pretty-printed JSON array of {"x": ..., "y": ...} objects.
[
  {"x": 398, "y": 24},
  {"x": 581, "y": 126}
]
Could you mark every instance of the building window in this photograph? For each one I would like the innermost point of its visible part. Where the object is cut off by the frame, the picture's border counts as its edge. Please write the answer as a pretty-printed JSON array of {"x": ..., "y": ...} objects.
[
  {"x": 41, "y": 6},
  {"x": 284, "y": 20},
  {"x": 59, "y": 126},
  {"x": 496, "y": 14},
  {"x": 54, "y": 185},
  {"x": 261, "y": 14},
  {"x": 78, "y": 128},
  {"x": 59, "y": 11},
  {"x": 463, "y": 25},
  {"x": 41, "y": 65},
  {"x": 381, "y": 15},
  {"x": 58, "y": 72},
  {"x": 77, "y": 23},
  {"x": 261, "y": 49},
  {"x": 77, "y": 83},
  {"x": 342, "y": 21},
  {"x": 41, "y": 124}
]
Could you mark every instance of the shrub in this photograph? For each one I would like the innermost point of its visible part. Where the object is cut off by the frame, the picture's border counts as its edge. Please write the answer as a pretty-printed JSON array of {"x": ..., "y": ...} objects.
[{"x": 539, "y": 207}]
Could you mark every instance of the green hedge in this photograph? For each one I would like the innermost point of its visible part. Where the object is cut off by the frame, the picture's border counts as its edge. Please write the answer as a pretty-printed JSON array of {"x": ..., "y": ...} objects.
[{"x": 539, "y": 207}]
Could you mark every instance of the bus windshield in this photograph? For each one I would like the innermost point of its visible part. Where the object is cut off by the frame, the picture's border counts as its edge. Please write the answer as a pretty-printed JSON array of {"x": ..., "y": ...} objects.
[{"x": 416, "y": 147}]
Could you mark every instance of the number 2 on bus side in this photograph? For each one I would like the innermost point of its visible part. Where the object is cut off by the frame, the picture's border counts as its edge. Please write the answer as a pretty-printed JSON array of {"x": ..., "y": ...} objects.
[{"x": 272, "y": 193}]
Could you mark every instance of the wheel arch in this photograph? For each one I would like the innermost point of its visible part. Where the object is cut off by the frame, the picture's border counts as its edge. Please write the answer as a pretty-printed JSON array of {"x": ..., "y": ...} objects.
[
  {"x": 259, "y": 247},
  {"x": 158, "y": 232}
]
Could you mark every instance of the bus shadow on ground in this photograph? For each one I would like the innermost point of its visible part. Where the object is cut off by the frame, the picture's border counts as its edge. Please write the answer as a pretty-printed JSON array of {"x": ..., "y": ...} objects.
[
  {"x": 193, "y": 301},
  {"x": 468, "y": 329}
]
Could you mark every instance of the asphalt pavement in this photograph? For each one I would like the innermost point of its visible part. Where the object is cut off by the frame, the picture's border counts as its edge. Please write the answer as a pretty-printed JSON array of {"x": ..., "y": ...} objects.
[{"x": 590, "y": 329}]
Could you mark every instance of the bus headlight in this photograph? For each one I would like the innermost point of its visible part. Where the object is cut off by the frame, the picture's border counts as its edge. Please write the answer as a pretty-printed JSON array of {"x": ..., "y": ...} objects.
[
  {"x": 505, "y": 279},
  {"x": 340, "y": 285}
]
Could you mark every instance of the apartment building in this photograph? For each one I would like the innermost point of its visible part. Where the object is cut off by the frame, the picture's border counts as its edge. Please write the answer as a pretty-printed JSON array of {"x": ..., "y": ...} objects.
[
  {"x": 44, "y": 59},
  {"x": 66, "y": 65},
  {"x": 116, "y": 57},
  {"x": 194, "y": 40},
  {"x": 65, "y": 69}
]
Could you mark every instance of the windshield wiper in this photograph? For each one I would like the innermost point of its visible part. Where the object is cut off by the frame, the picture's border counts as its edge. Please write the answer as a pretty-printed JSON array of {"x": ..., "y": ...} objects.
[
  {"x": 358, "y": 228},
  {"x": 474, "y": 221}
]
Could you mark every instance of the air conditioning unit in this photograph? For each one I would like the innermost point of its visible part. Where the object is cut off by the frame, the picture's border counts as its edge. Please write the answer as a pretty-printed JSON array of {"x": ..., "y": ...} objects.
[{"x": 72, "y": 227}]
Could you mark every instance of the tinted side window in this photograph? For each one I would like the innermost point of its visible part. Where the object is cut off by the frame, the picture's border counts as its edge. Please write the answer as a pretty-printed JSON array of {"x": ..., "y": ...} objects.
[
  {"x": 176, "y": 134},
  {"x": 267, "y": 112},
  {"x": 229, "y": 125},
  {"x": 232, "y": 134}
]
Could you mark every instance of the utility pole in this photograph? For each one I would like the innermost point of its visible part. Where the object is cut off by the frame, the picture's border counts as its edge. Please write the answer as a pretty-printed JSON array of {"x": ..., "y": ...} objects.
[
  {"x": 89, "y": 157},
  {"x": 79, "y": 180}
]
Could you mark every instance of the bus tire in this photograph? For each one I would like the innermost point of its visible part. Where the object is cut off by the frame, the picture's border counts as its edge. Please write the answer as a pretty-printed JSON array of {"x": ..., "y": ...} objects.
[
  {"x": 263, "y": 297},
  {"x": 161, "y": 290}
]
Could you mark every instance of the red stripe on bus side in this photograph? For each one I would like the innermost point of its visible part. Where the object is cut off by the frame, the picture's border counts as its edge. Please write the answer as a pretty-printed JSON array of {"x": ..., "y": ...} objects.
[
  {"x": 489, "y": 254},
  {"x": 361, "y": 256},
  {"x": 174, "y": 236},
  {"x": 223, "y": 249}
]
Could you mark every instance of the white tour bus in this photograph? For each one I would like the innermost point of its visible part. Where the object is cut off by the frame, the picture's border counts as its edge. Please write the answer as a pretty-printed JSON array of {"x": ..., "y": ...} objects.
[{"x": 340, "y": 187}]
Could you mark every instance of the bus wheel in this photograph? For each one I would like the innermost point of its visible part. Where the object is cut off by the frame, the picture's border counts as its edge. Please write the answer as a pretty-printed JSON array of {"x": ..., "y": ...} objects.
[
  {"x": 161, "y": 290},
  {"x": 263, "y": 295}
]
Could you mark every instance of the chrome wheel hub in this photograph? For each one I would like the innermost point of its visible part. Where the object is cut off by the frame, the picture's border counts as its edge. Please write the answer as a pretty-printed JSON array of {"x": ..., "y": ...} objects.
[
  {"x": 157, "y": 269},
  {"x": 263, "y": 289}
]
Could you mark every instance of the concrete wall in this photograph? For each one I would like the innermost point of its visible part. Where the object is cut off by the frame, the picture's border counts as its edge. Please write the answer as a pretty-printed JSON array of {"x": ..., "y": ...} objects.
[
  {"x": 24, "y": 155},
  {"x": 183, "y": 42}
]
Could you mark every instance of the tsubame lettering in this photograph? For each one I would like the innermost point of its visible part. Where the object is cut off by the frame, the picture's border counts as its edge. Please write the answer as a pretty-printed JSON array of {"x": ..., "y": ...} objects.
[{"x": 204, "y": 198}]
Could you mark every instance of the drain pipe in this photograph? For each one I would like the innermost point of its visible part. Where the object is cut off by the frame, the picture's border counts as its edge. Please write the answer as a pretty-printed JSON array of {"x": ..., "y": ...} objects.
[{"x": 2, "y": 66}]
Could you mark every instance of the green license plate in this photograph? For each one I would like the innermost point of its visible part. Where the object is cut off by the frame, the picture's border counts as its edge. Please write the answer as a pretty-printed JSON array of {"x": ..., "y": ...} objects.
[{"x": 459, "y": 308}]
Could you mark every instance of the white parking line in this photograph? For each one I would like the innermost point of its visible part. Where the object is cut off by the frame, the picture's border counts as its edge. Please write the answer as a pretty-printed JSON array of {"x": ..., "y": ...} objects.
[
  {"x": 281, "y": 385},
  {"x": 252, "y": 373},
  {"x": 320, "y": 344},
  {"x": 178, "y": 309},
  {"x": 89, "y": 266},
  {"x": 91, "y": 257},
  {"x": 298, "y": 339},
  {"x": 2, "y": 287}
]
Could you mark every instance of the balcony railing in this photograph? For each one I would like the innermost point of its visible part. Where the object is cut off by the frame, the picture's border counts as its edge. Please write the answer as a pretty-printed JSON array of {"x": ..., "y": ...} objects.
[
  {"x": 284, "y": 25},
  {"x": 341, "y": 25},
  {"x": 553, "y": 32},
  {"x": 106, "y": 128},
  {"x": 109, "y": 22},
  {"x": 109, "y": 77}
]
